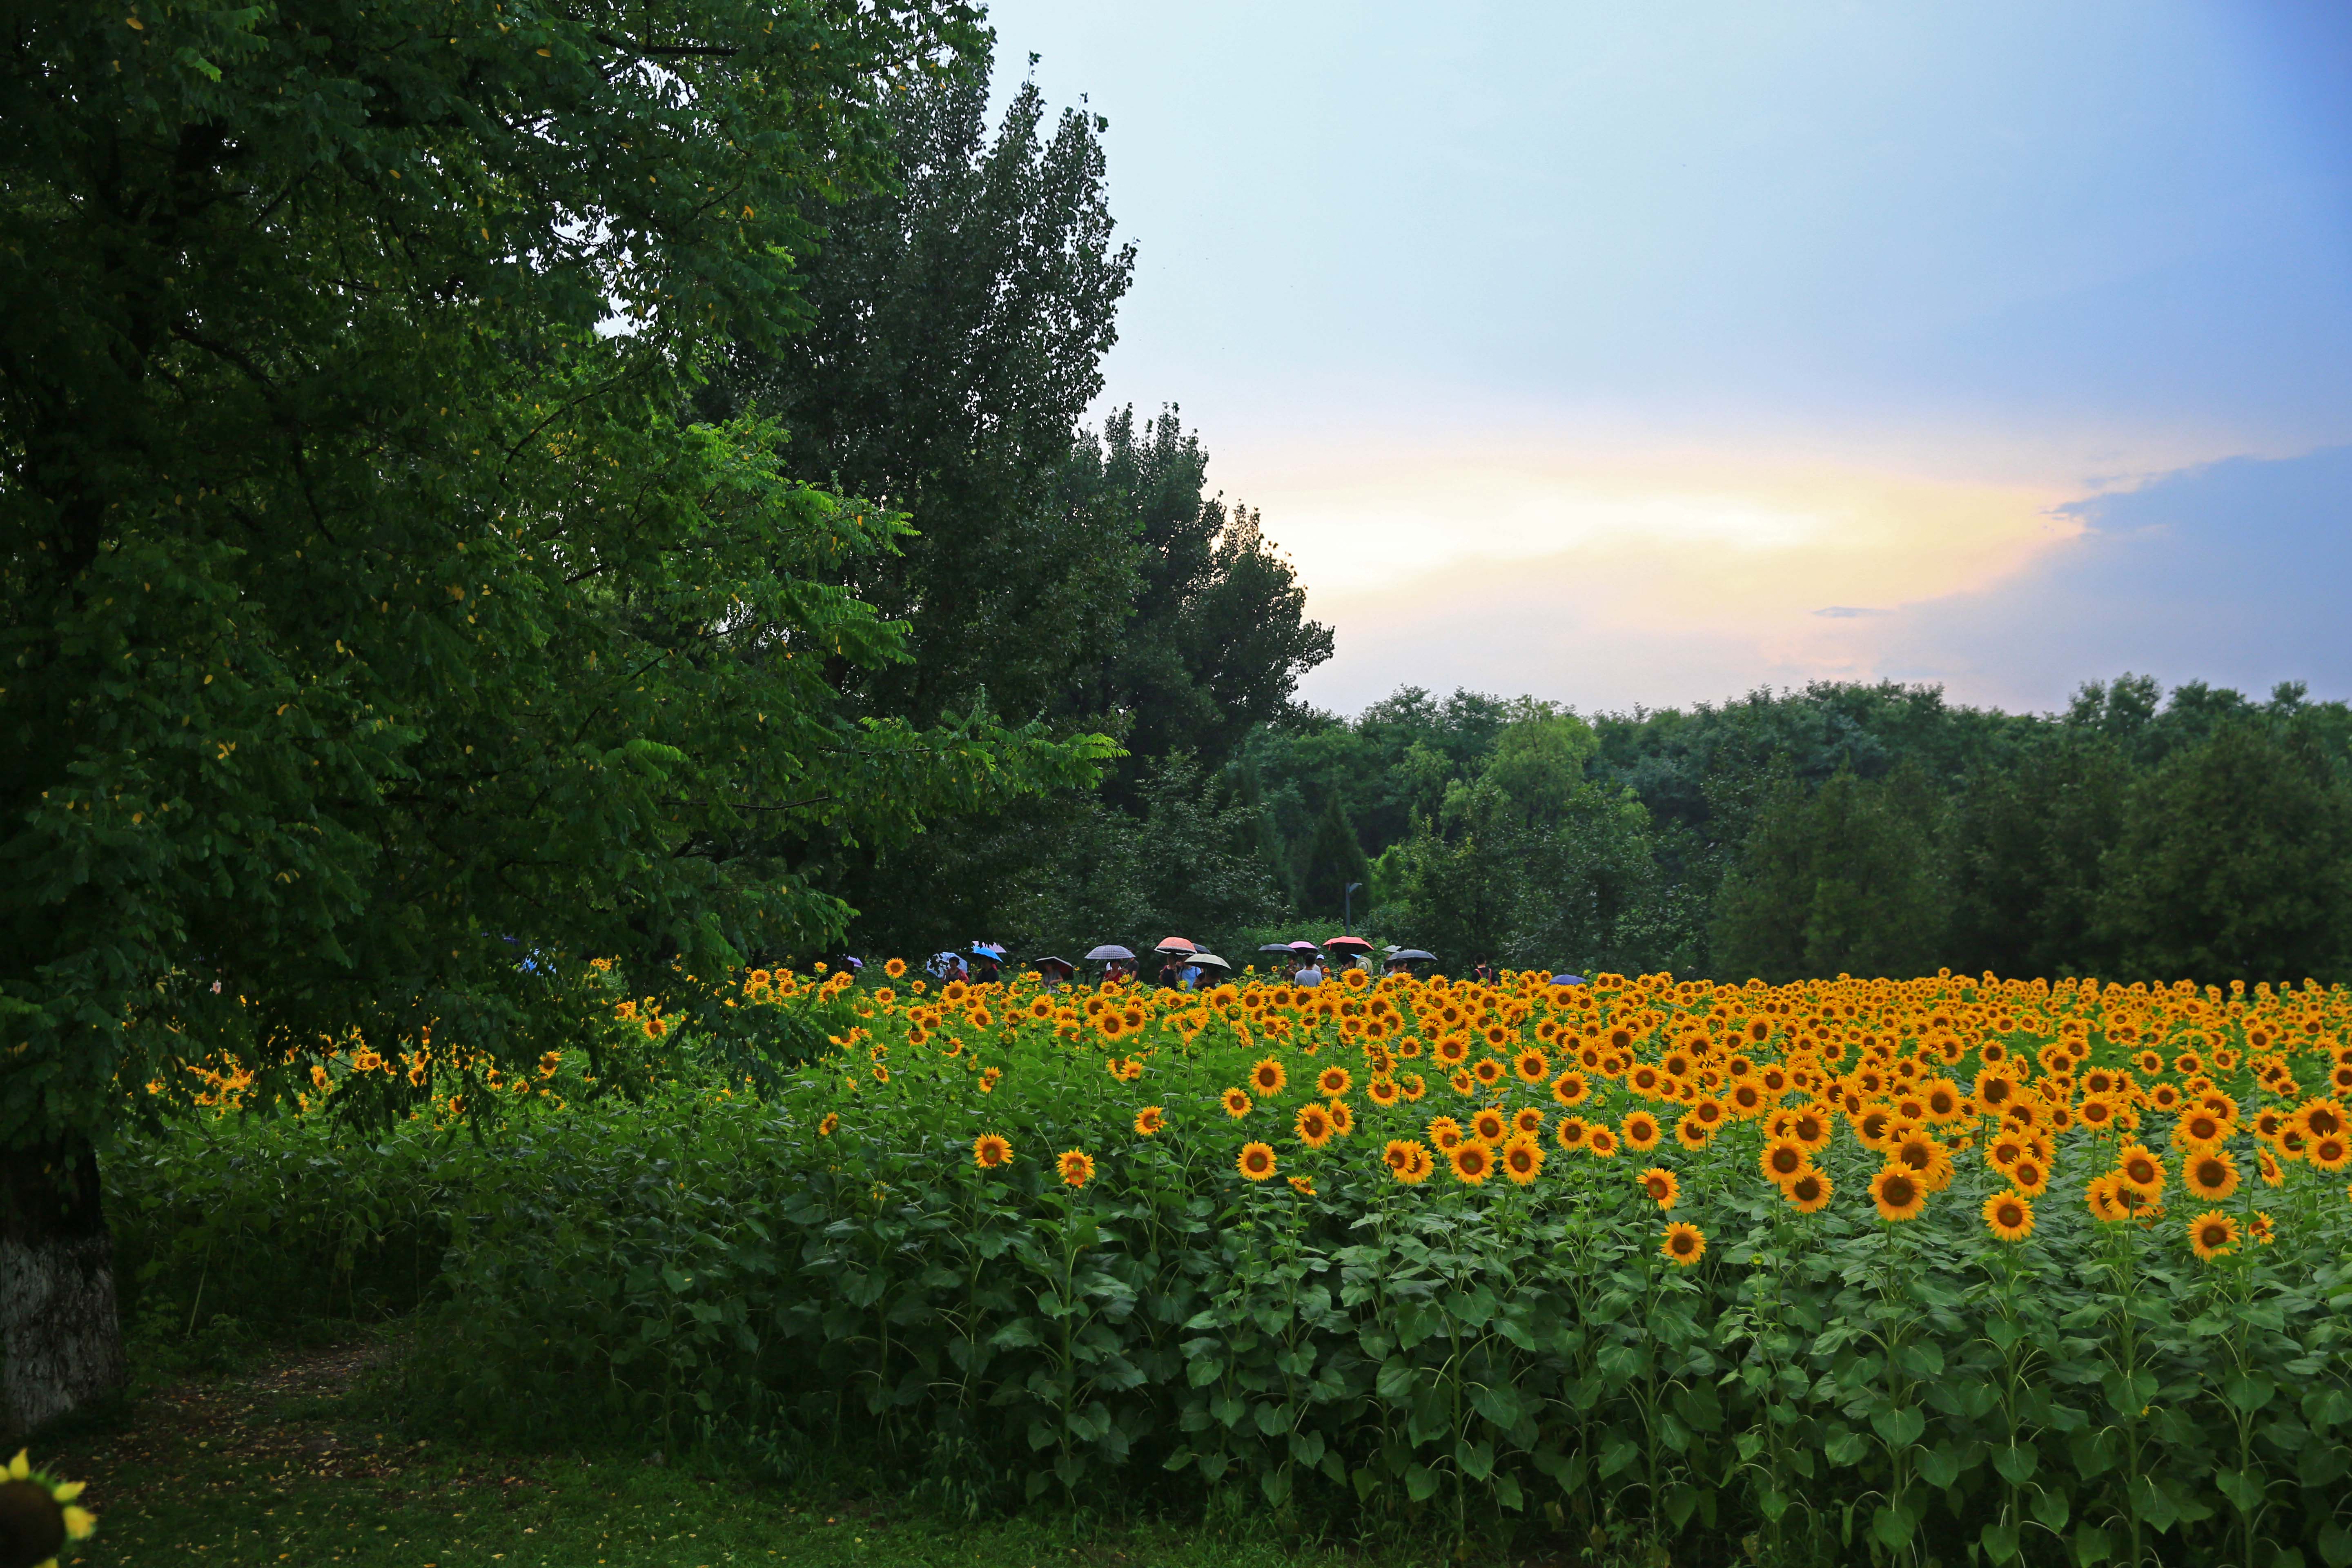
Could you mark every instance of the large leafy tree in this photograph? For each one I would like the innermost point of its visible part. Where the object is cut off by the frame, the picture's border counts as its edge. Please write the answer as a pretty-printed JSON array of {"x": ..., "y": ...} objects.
[{"x": 373, "y": 641}]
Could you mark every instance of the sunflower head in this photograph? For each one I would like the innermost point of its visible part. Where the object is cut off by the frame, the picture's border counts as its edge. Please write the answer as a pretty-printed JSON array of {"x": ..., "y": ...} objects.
[
  {"x": 1809, "y": 1193},
  {"x": 1684, "y": 1245},
  {"x": 2213, "y": 1235},
  {"x": 1522, "y": 1160},
  {"x": 1785, "y": 1159},
  {"x": 1255, "y": 1160},
  {"x": 38, "y": 1514},
  {"x": 1898, "y": 1192},
  {"x": 1236, "y": 1103},
  {"x": 1269, "y": 1077},
  {"x": 2008, "y": 1215},
  {"x": 1472, "y": 1162},
  {"x": 991, "y": 1151},
  {"x": 1149, "y": 1119}
]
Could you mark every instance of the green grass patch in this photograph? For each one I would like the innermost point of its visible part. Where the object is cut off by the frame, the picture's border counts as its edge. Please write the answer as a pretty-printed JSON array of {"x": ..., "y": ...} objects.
[{"x": 300, "y": 1461}]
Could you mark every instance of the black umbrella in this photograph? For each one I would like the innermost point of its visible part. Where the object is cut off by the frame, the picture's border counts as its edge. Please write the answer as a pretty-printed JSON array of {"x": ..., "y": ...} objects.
[{"x": 1283, "y": 947}]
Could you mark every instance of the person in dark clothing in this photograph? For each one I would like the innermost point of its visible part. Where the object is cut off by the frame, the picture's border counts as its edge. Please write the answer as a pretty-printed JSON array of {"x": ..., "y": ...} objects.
[{"x": 1171, "y": 977}]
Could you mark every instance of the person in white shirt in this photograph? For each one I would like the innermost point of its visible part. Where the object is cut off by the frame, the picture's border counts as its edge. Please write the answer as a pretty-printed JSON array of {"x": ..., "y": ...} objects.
[{"x": 1308, "y": 975}]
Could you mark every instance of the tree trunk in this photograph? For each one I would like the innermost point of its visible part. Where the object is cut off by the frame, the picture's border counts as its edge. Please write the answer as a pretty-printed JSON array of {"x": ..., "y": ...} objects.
[{"x": 60, "y": 1338}]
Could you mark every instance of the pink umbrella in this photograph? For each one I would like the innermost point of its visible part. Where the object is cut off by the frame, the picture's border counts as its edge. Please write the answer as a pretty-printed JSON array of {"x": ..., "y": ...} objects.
[{"x": 1175, "y": 944}]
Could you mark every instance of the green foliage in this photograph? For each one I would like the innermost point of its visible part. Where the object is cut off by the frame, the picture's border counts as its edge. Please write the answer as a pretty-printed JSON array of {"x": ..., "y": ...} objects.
[
  {"x": 2234, "y": 853},
  {"x": 957, "y": 322},
  {"x": 368, "y": 625},
  {"x": 1846, "y": 879},
  {"x": 1084, "y": 578},
  {"x": 1840, "y": 828}
]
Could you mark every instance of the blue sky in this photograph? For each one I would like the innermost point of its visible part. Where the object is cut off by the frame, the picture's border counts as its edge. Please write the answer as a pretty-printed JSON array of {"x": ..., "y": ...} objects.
[{"x": 1593, "y": 350}]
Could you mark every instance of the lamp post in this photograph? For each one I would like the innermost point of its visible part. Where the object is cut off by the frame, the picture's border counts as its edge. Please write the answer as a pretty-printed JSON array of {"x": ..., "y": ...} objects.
[{"x": 1348, "y": 909}]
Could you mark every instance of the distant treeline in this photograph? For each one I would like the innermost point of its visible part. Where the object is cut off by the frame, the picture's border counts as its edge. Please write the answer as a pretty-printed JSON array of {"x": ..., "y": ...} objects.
[{"x": 1862, "y": 829}]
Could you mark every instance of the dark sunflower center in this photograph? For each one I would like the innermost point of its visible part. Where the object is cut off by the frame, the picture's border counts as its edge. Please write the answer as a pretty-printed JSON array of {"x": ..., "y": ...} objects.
[{"x": 31, "y": 1526}]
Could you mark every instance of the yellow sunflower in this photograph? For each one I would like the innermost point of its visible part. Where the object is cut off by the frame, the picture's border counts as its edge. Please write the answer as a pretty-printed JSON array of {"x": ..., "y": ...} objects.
[
  {"x": 1236, "y": 1103},
  {"x": 989, "y": 1150},
  {"x": 38, "y": 1514},
  {"x": 1683, "y": 1243},
  {"x": 1076, "y": 1167},
  {"x": 1149, "y": 1119},
  {"x": 1417, "y": 1165},
  {"x": 1660, "y": 1187},
  {"x": 1899, "y": 1194},
  {"x": 1255, "y": 1160},
  {"x": 2008, "y": 1215},
  {"x": 1784, "y": 1160},
  {"x": 1472, "y": 1162},
  {"x": 2213, "y": 1235},
  {"x": 1523, "y": 1159},
  {"x": 1810, "y": 1193}
]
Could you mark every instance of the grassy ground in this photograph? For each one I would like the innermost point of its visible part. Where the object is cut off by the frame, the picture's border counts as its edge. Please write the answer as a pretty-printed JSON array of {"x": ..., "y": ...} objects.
[{"x": 282, "y": 1465}]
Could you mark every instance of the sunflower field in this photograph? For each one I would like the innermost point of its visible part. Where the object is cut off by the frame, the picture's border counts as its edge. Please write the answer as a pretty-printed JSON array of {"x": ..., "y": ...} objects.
[{"x": 2061, "y": 1272}]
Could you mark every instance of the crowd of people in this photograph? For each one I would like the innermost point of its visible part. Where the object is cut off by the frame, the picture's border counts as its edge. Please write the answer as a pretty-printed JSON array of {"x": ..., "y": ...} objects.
[{"x": 1183, "y": 969}]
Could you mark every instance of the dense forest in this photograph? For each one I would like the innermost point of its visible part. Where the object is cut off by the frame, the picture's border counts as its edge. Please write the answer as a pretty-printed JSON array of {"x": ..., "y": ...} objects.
[{"x": 1089, "y": 579}]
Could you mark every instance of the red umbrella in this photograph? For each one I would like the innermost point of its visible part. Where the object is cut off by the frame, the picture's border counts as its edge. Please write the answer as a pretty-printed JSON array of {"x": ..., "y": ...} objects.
[
  {"x": 1175, "y": 944},
  {"x": 1352, "y": 944}
]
